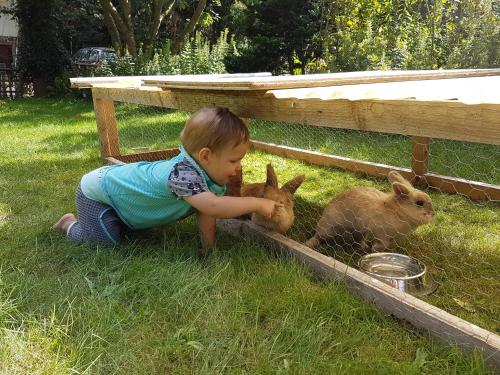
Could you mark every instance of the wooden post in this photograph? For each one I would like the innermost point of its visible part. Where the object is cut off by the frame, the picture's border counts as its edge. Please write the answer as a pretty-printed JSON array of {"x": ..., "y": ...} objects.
[
  {"x": 234, "y": 184},
  {"x": 419, "y": 157},
  {"x": 106, "y": 125}
]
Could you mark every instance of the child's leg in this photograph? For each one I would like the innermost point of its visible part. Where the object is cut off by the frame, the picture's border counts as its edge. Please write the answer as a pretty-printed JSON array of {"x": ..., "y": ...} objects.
[{"x": 97, "y": 223}]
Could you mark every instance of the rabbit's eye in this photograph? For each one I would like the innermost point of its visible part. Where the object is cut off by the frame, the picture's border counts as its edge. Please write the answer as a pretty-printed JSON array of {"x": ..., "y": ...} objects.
[{"x": 420, "y": 203}]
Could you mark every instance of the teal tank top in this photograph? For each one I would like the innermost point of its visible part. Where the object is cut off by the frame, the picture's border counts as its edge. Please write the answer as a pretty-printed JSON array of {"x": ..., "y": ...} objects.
[{"x": 140, "y": 194}]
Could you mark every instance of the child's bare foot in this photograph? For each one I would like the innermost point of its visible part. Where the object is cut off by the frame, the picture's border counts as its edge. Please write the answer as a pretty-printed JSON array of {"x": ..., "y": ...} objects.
[{"x": 64, "y": 222}]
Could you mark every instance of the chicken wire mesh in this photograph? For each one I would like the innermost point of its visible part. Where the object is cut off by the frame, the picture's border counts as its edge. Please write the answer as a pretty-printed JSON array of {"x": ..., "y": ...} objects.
[{"x": 460, "y": 245}]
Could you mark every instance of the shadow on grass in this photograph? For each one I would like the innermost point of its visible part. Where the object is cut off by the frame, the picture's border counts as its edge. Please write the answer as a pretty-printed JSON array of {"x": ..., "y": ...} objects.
[{"x": 29, "y": 113}]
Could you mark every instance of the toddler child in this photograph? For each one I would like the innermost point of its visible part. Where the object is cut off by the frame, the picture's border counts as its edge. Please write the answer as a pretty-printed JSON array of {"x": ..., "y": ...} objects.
[{"x": 141, "y": 195}]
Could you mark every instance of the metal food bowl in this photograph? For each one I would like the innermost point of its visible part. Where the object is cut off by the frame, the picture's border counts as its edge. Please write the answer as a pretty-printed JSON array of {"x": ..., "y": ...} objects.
[{"x": 400, "y": 271}]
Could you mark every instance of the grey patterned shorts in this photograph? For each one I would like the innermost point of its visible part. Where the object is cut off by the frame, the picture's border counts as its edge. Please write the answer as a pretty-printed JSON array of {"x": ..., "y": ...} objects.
[{"x": 97, "y": 222}]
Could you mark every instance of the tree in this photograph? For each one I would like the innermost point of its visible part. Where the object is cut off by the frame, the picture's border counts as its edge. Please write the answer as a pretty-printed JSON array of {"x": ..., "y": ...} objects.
[
  {"x": 80, "y": 24},
  {"x": 122, "y": 17},
  {"x": 119, "y": 24},
  {"x": 41, "y": 55},
  {"x": 189, "y": 27},
  {"x": 410, "y": 34},
  {"x": 280, "y": 35}
]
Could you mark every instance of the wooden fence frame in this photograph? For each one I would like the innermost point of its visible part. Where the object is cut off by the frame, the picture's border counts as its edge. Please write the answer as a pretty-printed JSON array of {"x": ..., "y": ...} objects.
[
  {"x": 474, "y": 123},
  {"x": 444, "y": 326}
]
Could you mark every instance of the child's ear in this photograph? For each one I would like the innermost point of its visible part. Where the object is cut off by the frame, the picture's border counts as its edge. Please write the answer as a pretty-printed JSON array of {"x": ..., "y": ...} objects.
[{"x": 204, "y": 154}]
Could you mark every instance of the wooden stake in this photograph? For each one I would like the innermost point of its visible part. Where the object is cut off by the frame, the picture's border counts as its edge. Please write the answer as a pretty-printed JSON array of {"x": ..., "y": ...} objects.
[
  {"x": 106, "y": 125},
  {"x": 419, "y": 157}
]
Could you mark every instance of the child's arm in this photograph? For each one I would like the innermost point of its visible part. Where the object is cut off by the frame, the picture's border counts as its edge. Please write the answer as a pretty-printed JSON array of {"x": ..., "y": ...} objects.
[
  {"x": 225, "y": 207},
  {"x": 206, "y": 225}
]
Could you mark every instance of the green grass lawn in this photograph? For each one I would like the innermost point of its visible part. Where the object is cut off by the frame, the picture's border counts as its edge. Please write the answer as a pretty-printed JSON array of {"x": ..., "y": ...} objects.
[
  {"x": 152, "y": 306},
  {"x": 461, "y": 247}
]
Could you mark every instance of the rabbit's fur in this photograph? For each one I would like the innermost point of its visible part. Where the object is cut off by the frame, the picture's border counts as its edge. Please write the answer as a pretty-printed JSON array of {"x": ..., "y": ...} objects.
[
  {"x": 365, "y": 214},
  {"x": 284, "y": 217}
]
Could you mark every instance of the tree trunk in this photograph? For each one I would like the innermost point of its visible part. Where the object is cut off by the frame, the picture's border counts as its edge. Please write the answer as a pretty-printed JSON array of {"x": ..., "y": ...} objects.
[
  {"x": 112, "y": 29},
  {"x": 123, "y": 22},
  {"x": 39, "y": 87},
  {"x": 160, "y": 10},
  {"x": 179, "y": 40},
  {"x": 129, "y": 27}
]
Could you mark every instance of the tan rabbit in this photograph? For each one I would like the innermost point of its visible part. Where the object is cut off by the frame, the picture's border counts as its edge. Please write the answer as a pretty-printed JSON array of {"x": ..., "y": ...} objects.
[
  {"x": 284, "y": 217},
  {"x": 366, "y": 214}
]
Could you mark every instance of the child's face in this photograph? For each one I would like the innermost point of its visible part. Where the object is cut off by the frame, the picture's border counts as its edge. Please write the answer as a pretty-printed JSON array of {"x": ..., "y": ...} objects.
[{"x": 223, "y": 164}]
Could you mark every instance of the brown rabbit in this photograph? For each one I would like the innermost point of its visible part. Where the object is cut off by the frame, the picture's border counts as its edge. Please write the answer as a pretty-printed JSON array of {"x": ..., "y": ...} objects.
[
  {"x": 365, "y": 213},
  {"x": 283, "y": 218}
]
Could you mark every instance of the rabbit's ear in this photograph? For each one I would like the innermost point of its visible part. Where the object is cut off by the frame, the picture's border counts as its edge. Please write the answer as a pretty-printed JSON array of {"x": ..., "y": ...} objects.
[
  {"x": 400, "y": 189},
  {"x": 394, "y": 176},
  {"x": 292, "y": 185},
  {"x": 271, "y": 180}
]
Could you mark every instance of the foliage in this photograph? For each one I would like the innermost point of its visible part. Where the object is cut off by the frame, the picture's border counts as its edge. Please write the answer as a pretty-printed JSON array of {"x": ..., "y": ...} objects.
[
  {"x": 60, "y": 87},
  {"x": 278, "y": 35},
  {"x": 477, "y": 37},
  {"x": 197, "y": 56},
  {"x": 80, "y": 24},
  {"x": 359, "y": 35},
  {"x": 149, "y": 22},
  {"x": 41, "y": 55},
  {"x": 410, "y": 34}
]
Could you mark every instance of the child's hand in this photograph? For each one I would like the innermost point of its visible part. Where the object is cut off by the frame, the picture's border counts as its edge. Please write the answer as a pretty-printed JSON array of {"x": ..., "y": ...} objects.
[{"x": 268, "y": 208}]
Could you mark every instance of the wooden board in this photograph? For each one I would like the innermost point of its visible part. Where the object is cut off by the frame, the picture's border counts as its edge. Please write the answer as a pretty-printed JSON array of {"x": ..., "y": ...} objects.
[
  {"x": 136, "y": 81},
  {"x": 471, "y": 189},
  {"x": 113, "y": 161},
  {"x": 403, "y": 306},
  {"x": 309, "y": 80},
  {"x": 150, "y": 155},
  {"x": 470, "y": 90},
  {"x": 319, "y": 158},
  {"x": 444, "y": 120}
]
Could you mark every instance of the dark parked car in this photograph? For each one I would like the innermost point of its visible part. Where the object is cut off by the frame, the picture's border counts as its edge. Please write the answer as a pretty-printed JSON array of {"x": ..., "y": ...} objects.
[{"x": 93, "y": 56}]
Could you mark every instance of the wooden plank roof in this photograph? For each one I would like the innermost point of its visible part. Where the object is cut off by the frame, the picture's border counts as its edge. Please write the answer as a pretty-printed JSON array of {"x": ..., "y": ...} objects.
[
  {"x": 246, "y": 83},
  {"x": 136, "y": 81},
  {"x": 265, "y": 81},
  {"x": 475, "y": 90}
]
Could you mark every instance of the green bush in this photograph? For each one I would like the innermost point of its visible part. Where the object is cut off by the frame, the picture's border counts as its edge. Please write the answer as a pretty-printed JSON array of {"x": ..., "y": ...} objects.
[
  {"x": 198, "y": 56},
  {"x": 41, "y": 56},
  {"x": 60, "y": 87},
  {"x": 367, "y": 35}
]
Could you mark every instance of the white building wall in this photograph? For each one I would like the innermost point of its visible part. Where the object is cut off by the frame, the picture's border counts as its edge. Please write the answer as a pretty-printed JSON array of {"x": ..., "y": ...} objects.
[{"x": 8, "y": 27}]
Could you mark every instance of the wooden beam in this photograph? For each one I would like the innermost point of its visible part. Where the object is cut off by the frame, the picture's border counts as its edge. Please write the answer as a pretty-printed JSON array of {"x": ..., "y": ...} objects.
[
  {"x": 445, "y": 119},
  {"x": 318, "y": 158},
  {"x": 149, "y": 155},
  {"x": 472, "y": 189},
  {"x": 136, "y": 81},
  {"x": 106, "y": 125},
  {"x": 420, "y": 314},
  {"x": 113, "y": 161},
  {"x": 249, "y": 83}
]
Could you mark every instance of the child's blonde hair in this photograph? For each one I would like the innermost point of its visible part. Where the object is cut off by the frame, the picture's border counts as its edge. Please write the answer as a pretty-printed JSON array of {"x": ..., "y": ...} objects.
[{"x": 214, "y": 128}]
